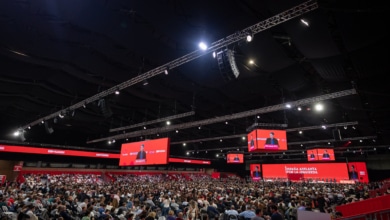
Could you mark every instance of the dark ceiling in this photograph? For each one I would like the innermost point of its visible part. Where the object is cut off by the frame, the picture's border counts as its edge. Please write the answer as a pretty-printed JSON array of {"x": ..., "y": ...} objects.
[{"x": 55, "y": 54}]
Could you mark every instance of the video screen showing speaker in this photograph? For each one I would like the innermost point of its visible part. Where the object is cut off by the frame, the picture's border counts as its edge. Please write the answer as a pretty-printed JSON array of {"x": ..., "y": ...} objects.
[
  {"x": 320, "y": 154},
  {"x": 357, "y": 171},
  {"x": 252, "y": 140},
  {"x": 146, "y": 152},
  {"x": 233, "y": 157},
  {"x": 255, "y": 170},
  {"x": 325, "y": 154},
  {"x": 312, "y": 155},
  {"x": 270, "y": 140}
]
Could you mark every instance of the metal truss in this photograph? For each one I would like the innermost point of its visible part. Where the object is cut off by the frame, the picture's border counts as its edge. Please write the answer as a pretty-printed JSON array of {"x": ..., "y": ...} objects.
[
  {"x": 172, "y": 117},
  {"x": 226, "y": 117},
  {"x": 217, "y": 45}
]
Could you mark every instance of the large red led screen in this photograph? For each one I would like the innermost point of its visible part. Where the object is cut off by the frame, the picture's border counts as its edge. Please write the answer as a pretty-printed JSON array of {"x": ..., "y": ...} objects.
[
  {"x": 325, "y": 154},
  {"x": 320, "y": 171},
  {"x": 252, "y": 140},
  {"x": 255, "y": 170},
  {"x": 145, "y": 152},
  {"x": 320, "y": 154},
  {"x": 357, "y": 172},
  {"x": 235, "y": 158},
  {"x": 271, "y": 140}
]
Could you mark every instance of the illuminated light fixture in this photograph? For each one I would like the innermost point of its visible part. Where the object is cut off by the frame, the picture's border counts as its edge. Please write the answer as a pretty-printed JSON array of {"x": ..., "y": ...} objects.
[
  {"x": 251, "y": 62},
  {"x": 19, "y": 53},
  {"x": 29, "y": 127},
  {"x": 328, "y": 143},
  {"x": 288, "y": 105},
  {"x": 113, "y": 141},
  {"x": 117, "y": 92},
  {"x": 217, "y": 155},
  {"x": 226, "y": 122},
  {"x": 203, "y": 46},
  {"x": 42, "y": 122},
  {"x": 16, "y": 133},
  {"x": 323, "y": 127},
  {"x": 206, "y": 151},
  {"x": 360, "y": 141},
  {"x": 127, "y": 139},
  {"x": 258, "y": 117},
  {"x": 184, "y": 144},
  {"x": 168, "y": 122},
  {"x": 243, "y": 138},
  {"x": 109, "y": 142},
  {"x": 145, "y": 82},
  {"x": 305, "y": 22},
  {"x": 61, "y": 115},
  {"x": 220, "y": 140},
  {"x": 353, "y": 127},
  {"x": 144, "y": 127},
  {"x": 177, "y": 131},
  {"x": 249, "y": 37},
  {"x": 319, "y": 107},
  {"x": 214, "y": 55},
  {"x": 345, "y": 127},
  {"x": 188, "y": 153},
  {"x": 300, "y": 132},
  {"x": 199, "y": 127},
  {"x": 299, "y": 109},
  {"x": 158, "y": 135}
]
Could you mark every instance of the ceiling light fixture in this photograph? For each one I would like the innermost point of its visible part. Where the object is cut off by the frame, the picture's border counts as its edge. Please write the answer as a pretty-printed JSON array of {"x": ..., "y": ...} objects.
[
  {"x": 305, "y": 22},
  {"x": 203, "y": 46}
]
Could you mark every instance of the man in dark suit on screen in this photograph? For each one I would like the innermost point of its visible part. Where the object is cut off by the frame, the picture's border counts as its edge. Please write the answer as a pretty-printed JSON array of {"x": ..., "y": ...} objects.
[
  {"x": 236, "y": 158},
  {"x": 141, "y": 153},
  {"x": 271, "y": 140},
  {"x": 256, "y": 173}
]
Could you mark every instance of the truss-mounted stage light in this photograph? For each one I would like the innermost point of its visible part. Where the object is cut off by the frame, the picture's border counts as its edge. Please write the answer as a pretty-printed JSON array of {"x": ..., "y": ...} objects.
[{"x": 48, "y": 128}]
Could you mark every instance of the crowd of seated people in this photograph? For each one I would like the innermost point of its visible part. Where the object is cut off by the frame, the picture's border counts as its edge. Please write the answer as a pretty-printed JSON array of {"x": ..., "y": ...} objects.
[{"x": 191, "y": 197}]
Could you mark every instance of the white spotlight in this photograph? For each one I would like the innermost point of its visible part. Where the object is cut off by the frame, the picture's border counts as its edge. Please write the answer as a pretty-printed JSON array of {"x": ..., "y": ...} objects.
[
  {"x": 319, "y": 107},
  {"x": 16, "y": 133},
  {"x": 249, "y": 38},
  {"x": 168, "y": 122},
  {"x": 305, "y": 22},
  {"x": 184, "y": 144},
  {"x": 243, "y": 138},
  {"x": 300, "y": 132},
  {"x": 214, "y": 54},
  {"x": 203, "y": 46},
  {"x": 288, "y": 105},
  {"x": 117, "y": 92},
  {"x": 299, "y": 109},
  {"x": 251, "y": 62}
]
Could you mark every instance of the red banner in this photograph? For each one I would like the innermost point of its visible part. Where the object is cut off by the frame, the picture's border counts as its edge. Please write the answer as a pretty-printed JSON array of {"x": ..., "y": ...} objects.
[
  {"x": 191, "y": 161},
  {"x": 34, "y": 150}
]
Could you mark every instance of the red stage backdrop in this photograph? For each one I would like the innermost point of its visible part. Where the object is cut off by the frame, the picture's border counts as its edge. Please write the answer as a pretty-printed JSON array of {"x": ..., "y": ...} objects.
[
  {"x": 154, "y": 152},
  {"x": 321, "y": 171}
]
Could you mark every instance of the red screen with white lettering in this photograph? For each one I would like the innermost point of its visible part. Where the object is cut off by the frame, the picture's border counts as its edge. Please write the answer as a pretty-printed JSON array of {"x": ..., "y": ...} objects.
[
  {"x": 145, "y": 152},
  {"x": 321, "y": 171}
]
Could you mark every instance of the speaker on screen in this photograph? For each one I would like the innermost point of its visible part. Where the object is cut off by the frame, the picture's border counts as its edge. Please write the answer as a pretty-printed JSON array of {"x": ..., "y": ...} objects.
[{"x": 148, "y": 152}]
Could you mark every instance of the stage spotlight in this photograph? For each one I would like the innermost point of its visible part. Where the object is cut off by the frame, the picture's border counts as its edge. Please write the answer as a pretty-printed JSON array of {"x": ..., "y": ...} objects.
[{"x": 203, "y": 46}]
